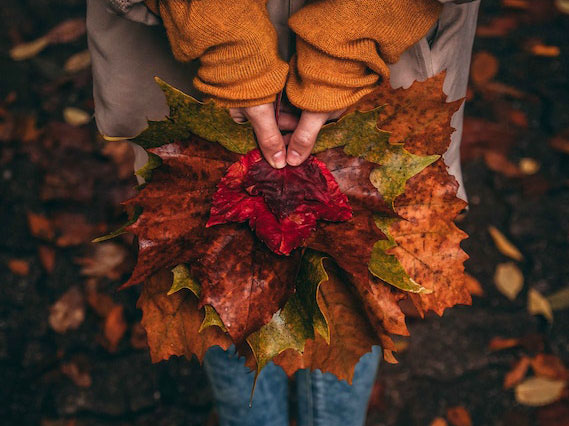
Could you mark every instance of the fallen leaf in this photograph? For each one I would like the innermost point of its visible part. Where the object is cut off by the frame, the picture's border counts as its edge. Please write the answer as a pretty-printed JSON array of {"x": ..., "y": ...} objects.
[
  {"x": 504, "y": 245},
  {"x": 509, "y": 279},
  {"x": 498, "y": 162},
  {"x": 19, "y": 267},
  {"x": 545, "y": 51},
  {"x": 114, "y": 328},
  {"x": 47, "y": 258},
  {"x": 40, "y": 226},
  {"x": 458, "y": 416},
  {"x": 64, "y": 32},
  {"x": 549, "y": 366},
  {"x": 559, "y": 300},
  {"x": 516, "y": 4},
  {"x": 561, "y": 142},
  {"x": 75, "y": 116},
  {"x": 529, "y": 166},
  {"x": 501, "y": 343},
  {"x": 78, "y": 62},
  {"x": 473, "y": 286},
  {"x": 484, "y": 67},
  {"x": 107, "y": 260},
  {"x": 438, "y": 421},
  {"x": 517, "y": 372},
  {"x": 539, "y": 391},
  {"x": 499, "y": 26},
  {"x": 539, "y": 305},
  {"x": 78, "y": 376},
  {"x": 68, "y": 313}
]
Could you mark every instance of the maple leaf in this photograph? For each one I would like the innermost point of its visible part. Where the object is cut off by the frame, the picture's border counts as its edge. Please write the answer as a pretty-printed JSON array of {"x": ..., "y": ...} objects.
[
  {"x": 401, "y": 241},
  {"x": 281, "y": 205}
]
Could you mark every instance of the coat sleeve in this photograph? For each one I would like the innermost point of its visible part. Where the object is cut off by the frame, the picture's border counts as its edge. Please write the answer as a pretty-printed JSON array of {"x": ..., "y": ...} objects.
[{"x": 235, "y": 43}]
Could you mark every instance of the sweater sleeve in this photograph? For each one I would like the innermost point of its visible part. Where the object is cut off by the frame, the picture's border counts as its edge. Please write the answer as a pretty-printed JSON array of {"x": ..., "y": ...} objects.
[
  {"x": 235, "y": 43},
  {"x": 343, "y": 47}
]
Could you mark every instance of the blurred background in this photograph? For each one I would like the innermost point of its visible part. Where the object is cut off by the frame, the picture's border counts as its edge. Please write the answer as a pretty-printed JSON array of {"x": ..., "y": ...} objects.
[{"x": 72, "y": 351}]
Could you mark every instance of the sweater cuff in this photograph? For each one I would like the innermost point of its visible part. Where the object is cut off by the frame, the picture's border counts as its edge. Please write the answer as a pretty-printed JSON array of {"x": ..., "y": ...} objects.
[{"x": 343, "y": 48}]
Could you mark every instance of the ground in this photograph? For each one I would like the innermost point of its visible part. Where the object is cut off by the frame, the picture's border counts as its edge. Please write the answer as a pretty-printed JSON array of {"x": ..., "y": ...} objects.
[{"x": 71, "y": 348}]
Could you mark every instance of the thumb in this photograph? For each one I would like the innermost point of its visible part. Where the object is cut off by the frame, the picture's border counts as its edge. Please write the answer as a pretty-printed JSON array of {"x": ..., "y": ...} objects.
[{"x": 304, "y": 137}]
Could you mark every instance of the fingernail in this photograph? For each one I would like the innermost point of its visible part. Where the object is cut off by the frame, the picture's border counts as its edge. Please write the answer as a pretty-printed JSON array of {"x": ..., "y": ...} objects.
[
  {"x": 293, "y": 158},
  {"x": 279, "y": 160}
]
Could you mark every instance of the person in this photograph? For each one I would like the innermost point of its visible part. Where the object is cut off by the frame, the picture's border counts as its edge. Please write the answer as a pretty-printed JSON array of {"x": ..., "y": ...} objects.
[{"x": 325, "y": 55}]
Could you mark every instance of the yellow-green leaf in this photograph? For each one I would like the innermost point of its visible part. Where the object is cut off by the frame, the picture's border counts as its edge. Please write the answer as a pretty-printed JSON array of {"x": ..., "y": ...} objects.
[
  {"x": 206, "y": 120},
  {"x": 386, "y": 266},
  {"x": 298, "y": 320}
]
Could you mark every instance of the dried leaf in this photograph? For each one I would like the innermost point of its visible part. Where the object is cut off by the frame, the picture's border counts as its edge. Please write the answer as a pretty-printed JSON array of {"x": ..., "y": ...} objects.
[
  {"x": 458, "y": 416},
  {"x": 517, "y": 373},
  {"x": 539, "y": 305},
  {"x": 559, "y": 300},
  {"x": 115, "y": 327},
  {"x": 539, "y": 391},
  {"x": 75, "y": 116},
  {"x": 529, "y": 166},
  {"x": 25, "y": 51},
  {"x": 108, "y": 260},
  {"x": 549, "y": 366},
  {"x": 473, "y": 285},
  {"x": 19, "y": 267},
  {"x": 47, "y": 258},
  {"x": 504, "y": 245},
  {"x": 68, "y": 312},
  {"x": 484, "y": 67},
  {"x": 78, "y": 62},
  {"x": 509, "y": 279}
]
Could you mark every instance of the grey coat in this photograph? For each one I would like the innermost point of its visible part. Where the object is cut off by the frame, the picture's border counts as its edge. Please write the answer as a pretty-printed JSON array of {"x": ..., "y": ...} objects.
[{"x": 129, "y": 48}]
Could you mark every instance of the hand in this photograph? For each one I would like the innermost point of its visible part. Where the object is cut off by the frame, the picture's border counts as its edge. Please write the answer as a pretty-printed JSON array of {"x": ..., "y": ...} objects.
[
  {"x": 269, "y": 137},
  {"x": 304, "y": 136}
]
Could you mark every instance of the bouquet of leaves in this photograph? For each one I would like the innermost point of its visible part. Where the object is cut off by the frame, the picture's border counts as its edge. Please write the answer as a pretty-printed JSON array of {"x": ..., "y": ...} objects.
[{"x": 305, "y": 266}]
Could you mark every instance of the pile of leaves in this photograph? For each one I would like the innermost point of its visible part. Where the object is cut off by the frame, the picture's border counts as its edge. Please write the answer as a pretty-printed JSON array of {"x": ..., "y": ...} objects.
[{"x": 307, "y": 266}]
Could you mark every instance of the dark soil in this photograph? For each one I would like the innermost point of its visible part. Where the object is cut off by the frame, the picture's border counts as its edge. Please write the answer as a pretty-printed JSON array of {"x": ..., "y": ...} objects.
[{"x": 64, "y": 171}]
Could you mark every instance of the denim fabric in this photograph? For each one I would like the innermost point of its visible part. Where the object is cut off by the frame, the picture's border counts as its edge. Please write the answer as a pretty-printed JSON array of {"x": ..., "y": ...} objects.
[{"x": 323, "y": 400}]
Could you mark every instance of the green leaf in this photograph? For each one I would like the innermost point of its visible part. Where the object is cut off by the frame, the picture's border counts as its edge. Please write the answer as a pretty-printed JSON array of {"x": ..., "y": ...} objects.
[
  {"x": 183, "y": 279},
  {"x": 359, "y": 135},
  {"x": 298, "y": 320},
  {"x": 122, "y": 230},
  {"x": 206, "y": 120},
  {"x": 145, "y": 172},
  {"x": 386, "y": 266}
]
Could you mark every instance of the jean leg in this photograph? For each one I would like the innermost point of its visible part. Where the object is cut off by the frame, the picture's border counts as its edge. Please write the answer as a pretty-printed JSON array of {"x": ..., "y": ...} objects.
[
  {"x": 232, "y": 382},
  {"x": 323, "y": 400}
]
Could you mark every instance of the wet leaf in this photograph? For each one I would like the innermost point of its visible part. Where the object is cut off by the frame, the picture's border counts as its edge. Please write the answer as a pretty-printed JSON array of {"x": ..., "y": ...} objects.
[
  {"x": 283, "y": 205},
  {"x": 68, "y": 313},
  {"x": 509, "y": 279},
  {"x": 539, "y": 391},
  {"x": 504, "y": 245},
  {"x": 517, "y": 373},
  {"x": 458, "y": 416},
  {"x": 539, "y": 305}
]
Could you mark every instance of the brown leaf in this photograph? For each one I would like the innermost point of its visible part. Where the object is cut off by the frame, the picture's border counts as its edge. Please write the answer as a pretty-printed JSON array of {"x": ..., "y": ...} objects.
[
  {"x": 505, "y": 246},
  {"x": 80, "y": 377},
  {"x": 114, "y": 328},
  {"x": 172, "y": 322},
  {"x": 19, "y": 267},
  {"x": 68, "y": 312},
  {"x": 67, "y": 31},
  {"x": 350, "y": 335},
  {"x": 106, "y": 260},
  {"x": 458, "y": 416},
  {"x": 47, "y": 258},
  {"x": 484, "y": 67},
  {"x": 40, "y": 226},
  {"x": 499, "y": 26},
  {"x": 539, "y": 391},
  {"x": 473, "y": 285},
  {"x": 517, "y": 373},
  {"x": 549, "y": 366},
  {"x": 509, "y": 279}
]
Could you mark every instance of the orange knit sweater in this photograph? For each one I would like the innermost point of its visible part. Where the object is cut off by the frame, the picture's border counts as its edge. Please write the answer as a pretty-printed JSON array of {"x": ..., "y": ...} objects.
[{"x": 342, "y": 47}]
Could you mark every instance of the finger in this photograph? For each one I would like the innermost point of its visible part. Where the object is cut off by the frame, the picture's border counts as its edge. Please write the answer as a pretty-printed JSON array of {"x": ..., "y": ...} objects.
[
  {"x": 269, "y": 137},
  {"x": 238, "y": 115},
  {"x": 304, "y": 137},
  {"x": 287, "y": 121}
]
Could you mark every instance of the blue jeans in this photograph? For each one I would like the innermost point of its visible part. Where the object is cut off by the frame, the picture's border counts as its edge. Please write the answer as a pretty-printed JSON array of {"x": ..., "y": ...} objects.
[{"x": 323, "y": 400}]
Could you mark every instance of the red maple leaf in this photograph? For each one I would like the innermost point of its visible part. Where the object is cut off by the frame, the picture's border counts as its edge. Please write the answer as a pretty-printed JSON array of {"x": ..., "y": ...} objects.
[{"x": 281, "y": 205}]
